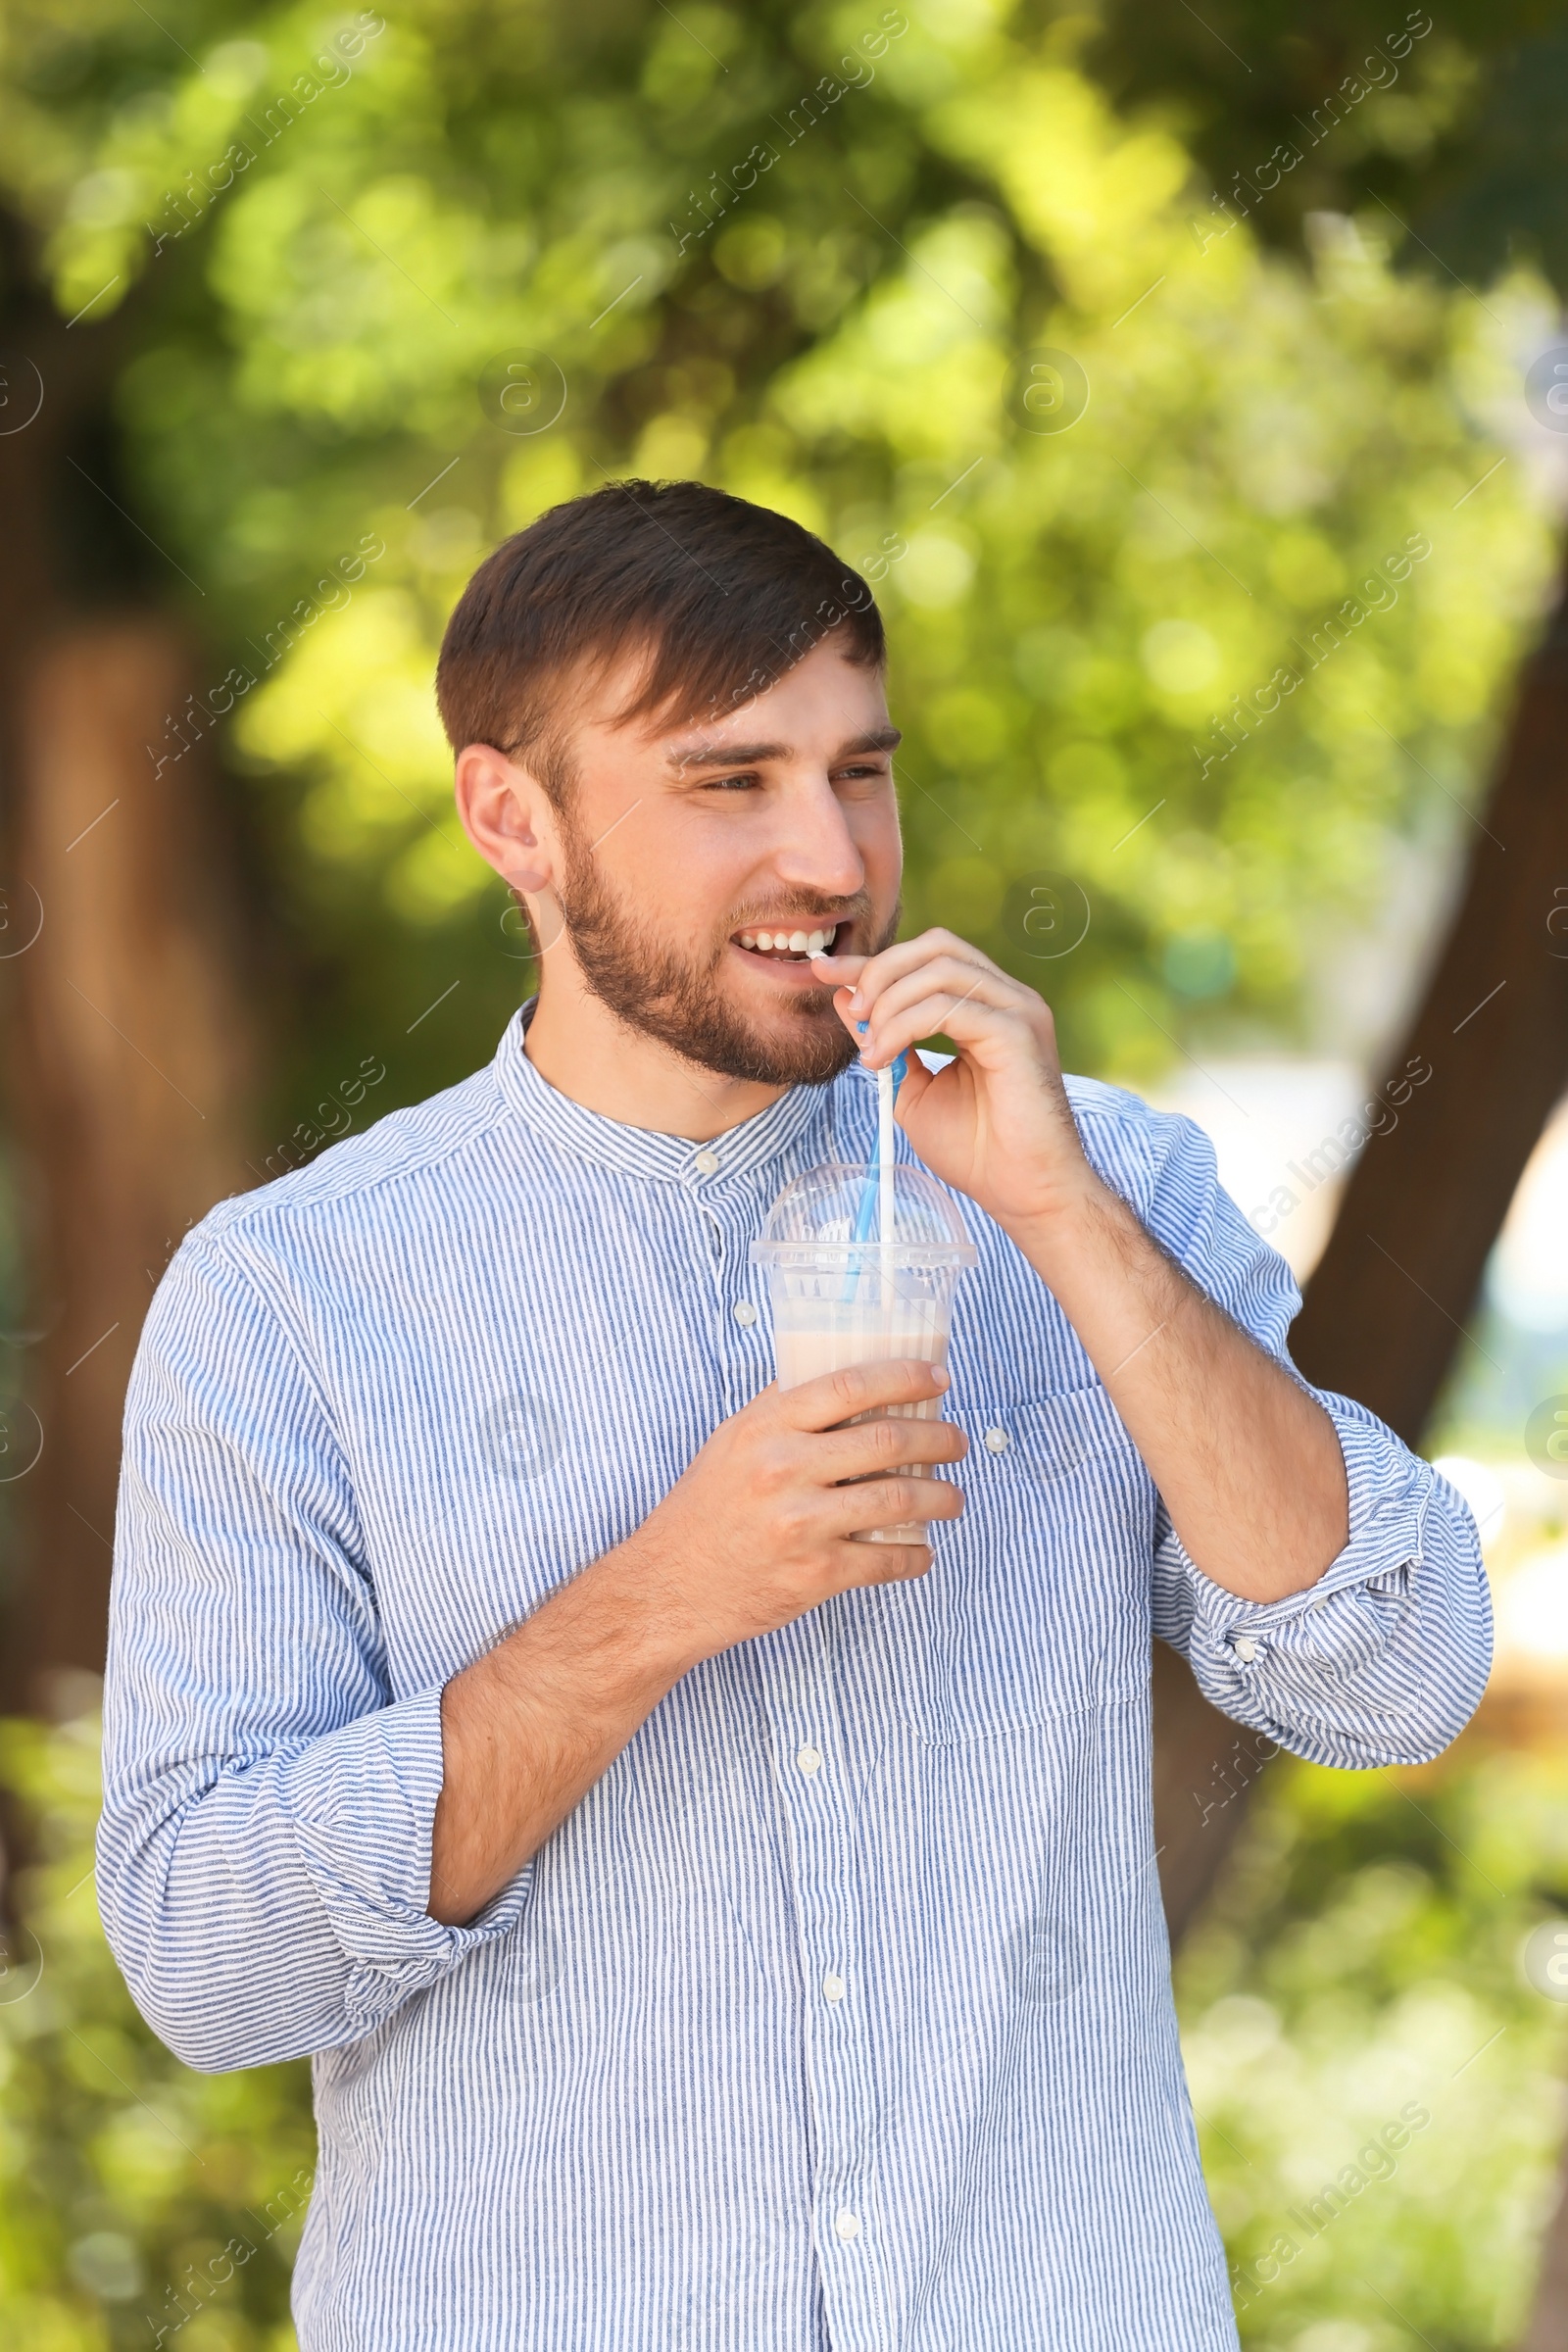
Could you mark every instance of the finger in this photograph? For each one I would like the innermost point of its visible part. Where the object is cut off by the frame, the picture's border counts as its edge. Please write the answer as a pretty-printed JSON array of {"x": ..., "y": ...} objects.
[
  {"x": 878, "y": 1563},
  {"x": 840, "y": 971},
  {"x": 917, "y": 1078},
  {"x": 834, "y": 1397},
  {"x": 966, "y": 1021},
  {"x": 895, "y": 963},
  {"x": 836, "y": 973},
  {"x": 843, "y": 1006},
  {"x": 947, "y": 977},
  {"x": 866, "y": 1007},
  {"x": 892, "y": 1502},
  {"x": 870, "y": 1446},
  {"x": 867, "y": 976}
]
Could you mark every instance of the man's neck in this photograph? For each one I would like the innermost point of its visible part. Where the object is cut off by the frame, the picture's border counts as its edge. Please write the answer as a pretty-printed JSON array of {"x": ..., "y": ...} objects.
[{"x": 581, "y": 1049}]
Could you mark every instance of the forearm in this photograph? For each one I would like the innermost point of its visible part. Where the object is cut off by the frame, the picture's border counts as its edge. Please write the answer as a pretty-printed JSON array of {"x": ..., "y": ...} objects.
[
  {"x": 1249, "y": 1463},
  {"x": 760, "y": 1528},
  {"x": 528, "y": 1729}
]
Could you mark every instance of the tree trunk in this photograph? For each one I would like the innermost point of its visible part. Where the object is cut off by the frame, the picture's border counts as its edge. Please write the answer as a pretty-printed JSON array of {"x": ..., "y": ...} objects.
[
  {"x": 1205, "y": 1768},
  {"x": 1548, "y": 2329},
  {"x": 132, "y": 1080},
  {"x": 1385, "y": 1310}
]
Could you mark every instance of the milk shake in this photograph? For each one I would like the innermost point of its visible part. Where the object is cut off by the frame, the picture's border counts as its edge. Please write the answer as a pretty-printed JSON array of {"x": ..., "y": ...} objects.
[
  {"x": 838, "y": 1300},
  {"x": 829, "y": 1340}
]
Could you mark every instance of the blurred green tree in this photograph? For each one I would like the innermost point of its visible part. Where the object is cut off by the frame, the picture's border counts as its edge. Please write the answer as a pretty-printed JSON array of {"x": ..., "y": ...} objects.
[
  {"x": 1202, "y": 566},
  {"x": 1453, "y": 126},
  {"x": 141, "y": 2204},
  {"x": 1206, "y": 560},
  {"x": 1377, "y": 2078}
]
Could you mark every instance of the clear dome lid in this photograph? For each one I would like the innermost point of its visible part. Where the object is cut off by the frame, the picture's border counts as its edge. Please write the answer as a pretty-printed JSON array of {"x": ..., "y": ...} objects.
[{"x": 829, "y": 1216}]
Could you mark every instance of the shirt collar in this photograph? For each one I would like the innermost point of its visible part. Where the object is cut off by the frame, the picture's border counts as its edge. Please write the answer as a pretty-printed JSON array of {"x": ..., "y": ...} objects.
[{"x": 585, "y": 1134}]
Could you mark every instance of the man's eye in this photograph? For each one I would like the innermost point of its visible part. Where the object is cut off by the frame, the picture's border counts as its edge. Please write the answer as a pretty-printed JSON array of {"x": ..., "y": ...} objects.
[{"x": 742, "y": 783}]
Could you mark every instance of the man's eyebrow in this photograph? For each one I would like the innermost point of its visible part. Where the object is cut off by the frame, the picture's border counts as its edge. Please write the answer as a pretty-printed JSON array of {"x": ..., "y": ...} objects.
[
  {"x": 728, "y": 754},
  {"x": 751, "y": 755}
]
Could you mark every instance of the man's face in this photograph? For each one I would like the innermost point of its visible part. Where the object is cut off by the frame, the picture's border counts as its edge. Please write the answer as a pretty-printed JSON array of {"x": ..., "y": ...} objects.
[{"x": 685, "y": 849}]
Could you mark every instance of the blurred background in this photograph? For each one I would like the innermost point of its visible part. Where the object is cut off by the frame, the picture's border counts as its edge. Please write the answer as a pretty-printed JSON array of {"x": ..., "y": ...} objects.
[{"x": 1193, "y": 389}]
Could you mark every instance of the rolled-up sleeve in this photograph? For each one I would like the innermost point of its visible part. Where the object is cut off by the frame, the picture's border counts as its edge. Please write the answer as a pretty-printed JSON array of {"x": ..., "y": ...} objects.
[
  {"x": 1385, "y": 1658},
  {"x": 264, "y": 1854}
]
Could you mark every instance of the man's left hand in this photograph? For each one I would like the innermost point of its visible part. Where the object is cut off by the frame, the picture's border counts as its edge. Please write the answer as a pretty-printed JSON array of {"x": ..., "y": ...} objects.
[
  {"x": 1248, "y": 1460},
  {"x": 995, "y": 1124}
]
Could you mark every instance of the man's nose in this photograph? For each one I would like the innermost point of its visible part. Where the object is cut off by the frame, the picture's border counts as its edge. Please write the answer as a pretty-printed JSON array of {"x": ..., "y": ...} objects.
[{"x": 816, "y": 849}]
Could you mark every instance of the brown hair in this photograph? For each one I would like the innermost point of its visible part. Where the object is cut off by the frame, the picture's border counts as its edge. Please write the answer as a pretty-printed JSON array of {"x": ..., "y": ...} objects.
[{"x": 723, "y": 598}]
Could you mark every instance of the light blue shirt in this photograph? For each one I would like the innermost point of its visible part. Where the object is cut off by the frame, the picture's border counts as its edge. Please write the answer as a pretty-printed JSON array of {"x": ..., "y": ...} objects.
[{"x": 838, "y": 2014}]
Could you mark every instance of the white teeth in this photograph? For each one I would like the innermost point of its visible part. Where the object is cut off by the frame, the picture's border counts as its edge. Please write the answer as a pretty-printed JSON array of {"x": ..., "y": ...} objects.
[{"x": 788, "y": 943}]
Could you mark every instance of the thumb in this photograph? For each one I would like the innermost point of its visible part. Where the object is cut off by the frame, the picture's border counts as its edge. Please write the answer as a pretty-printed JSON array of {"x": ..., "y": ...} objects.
[{"x": 911, "y": 1093}]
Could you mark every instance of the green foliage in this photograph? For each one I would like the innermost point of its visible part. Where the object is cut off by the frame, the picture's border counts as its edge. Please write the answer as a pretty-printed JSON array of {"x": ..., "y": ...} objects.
[
  {"x": 1362, "y": 1965},
  {"x": 1360, "y": 1961},
  {"x": 812, "y": 253},
  {"x": 1451, "y": 127},
  {"x": 304, "y": 266},
  {"x": 134, "y": 2195}
]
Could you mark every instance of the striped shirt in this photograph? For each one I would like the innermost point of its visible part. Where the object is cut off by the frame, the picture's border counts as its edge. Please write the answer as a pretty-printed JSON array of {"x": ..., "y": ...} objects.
[{"x": 838, "y": 2014}]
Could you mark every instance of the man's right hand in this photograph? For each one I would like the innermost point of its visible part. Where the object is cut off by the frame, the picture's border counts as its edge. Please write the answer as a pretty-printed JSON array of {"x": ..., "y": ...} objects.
[{"x": 757, "y": 1531}]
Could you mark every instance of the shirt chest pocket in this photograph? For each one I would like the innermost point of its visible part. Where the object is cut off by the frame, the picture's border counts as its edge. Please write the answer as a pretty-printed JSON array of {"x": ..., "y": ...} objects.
[{"x": 1036, "y": 1604}]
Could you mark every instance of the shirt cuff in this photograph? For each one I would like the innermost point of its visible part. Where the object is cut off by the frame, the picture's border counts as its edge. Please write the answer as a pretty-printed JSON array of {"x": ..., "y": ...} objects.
[
  {"x": 1352, "y": 1614},
  {"x": 361, "y": 1803}
]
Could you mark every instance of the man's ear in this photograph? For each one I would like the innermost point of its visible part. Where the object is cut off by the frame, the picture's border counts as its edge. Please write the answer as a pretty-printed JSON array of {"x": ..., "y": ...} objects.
[{"x": 505, "y": 813}]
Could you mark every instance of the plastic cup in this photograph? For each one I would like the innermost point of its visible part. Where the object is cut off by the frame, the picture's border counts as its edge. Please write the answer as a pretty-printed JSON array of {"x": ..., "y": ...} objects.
[{"x": 840, "y": 1301}]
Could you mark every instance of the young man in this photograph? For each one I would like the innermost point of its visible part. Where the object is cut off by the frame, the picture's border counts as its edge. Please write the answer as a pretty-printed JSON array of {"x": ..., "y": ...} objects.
[{"x": 710, "y": 1931}]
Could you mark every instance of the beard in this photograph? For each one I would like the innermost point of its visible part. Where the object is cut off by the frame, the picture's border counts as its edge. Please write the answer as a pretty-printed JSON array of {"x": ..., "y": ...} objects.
[{"x": 680, "y": 1001}]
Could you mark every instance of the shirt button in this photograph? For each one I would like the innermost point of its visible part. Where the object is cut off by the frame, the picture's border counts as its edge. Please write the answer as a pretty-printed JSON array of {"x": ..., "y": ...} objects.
[
  {"x": 809, "y": 1760},
  {"x": 707, "y": 1163},
  {"x": 996, "y": 1441},
  {"x": 745, "y": 1314},
  {"x": 833, "y": 1988},
  {"x": 847, "y": 2225},
  {"x": 1247, "y": 1648}
]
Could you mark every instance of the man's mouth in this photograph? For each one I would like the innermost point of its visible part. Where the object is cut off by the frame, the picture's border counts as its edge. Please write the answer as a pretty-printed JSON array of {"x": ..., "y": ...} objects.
[{"x": 790, "y": 947}]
